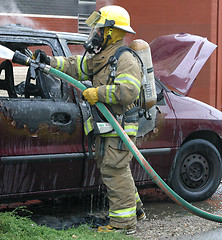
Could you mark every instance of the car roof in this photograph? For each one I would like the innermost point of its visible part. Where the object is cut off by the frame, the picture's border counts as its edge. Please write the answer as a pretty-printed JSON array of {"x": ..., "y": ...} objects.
[{"x": 20, "y": 30}]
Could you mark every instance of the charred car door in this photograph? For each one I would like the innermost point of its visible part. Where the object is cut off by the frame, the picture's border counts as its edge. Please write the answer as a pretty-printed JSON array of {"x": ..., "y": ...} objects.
[{"x": 41, "y": 128}]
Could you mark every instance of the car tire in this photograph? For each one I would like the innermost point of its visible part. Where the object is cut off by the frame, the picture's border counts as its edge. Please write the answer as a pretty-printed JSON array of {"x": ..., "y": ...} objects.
[{"x": 196, "y": 172}]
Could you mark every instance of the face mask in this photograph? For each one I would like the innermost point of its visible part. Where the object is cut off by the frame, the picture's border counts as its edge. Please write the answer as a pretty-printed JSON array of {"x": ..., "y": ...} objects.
[{"x": 95, "y": 41}]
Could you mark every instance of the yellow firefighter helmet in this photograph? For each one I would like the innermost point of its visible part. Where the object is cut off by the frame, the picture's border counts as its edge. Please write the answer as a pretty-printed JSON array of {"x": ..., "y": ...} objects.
[{"x": 111, "y": 16}]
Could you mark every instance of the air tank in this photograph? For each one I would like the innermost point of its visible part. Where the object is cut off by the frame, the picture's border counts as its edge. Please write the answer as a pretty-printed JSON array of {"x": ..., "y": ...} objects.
[{"x": 149, "y": 96}]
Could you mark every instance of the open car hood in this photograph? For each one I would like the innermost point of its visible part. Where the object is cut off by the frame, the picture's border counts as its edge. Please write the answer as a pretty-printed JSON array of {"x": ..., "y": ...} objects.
[{"x": 178, "y": 58}]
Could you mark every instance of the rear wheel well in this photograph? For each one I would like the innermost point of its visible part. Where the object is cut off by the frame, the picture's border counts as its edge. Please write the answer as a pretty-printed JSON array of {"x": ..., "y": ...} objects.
[
  {"x": 196, "y": 173},
  {"x": 206, "y": 135}
]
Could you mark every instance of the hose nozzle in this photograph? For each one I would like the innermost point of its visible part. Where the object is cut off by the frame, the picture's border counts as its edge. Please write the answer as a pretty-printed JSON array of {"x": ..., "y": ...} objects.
[{"x": 21, "y": 58}]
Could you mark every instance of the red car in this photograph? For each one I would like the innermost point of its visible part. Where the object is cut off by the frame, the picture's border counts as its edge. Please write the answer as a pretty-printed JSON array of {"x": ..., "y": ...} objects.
[{"x": 43, "y": 149}]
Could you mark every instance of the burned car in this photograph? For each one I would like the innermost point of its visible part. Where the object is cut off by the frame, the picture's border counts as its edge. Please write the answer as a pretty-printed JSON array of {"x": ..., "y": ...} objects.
[{"x": 44, "y": 151}]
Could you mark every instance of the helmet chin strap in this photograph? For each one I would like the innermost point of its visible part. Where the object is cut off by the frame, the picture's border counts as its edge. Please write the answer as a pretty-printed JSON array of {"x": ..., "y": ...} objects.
[{"x": 107, "y": 38}]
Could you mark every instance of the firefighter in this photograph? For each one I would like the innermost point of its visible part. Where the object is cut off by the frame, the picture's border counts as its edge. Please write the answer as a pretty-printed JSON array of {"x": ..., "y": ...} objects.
[{"x": 120, "y": 92}]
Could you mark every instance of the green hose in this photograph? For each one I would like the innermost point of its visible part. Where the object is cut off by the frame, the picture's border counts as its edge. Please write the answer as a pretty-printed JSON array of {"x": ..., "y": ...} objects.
[{"x": 136, "y": 153}]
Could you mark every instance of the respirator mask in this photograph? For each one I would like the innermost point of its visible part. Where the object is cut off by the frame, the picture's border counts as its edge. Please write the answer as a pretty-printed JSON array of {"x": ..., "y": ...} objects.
[{"x": 95, "y": 41}]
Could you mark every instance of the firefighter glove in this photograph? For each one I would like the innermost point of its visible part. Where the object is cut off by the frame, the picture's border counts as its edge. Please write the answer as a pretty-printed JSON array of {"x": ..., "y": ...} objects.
[
  {"x": 43, "y": 56},
  {"x": 91, "y": 95}
]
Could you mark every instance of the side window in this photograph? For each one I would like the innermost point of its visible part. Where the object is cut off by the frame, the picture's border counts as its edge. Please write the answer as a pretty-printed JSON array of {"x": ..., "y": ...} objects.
[
  {"x": 75, "y": 49},
  {"x": 46, "y": 86},
  {"x": 25, "y": 82}
]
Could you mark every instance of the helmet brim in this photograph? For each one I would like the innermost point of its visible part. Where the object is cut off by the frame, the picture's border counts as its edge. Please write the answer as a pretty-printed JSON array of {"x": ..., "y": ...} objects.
[
  {"x": 95, "y": 20},
  {"x": 126, "y": 28}
]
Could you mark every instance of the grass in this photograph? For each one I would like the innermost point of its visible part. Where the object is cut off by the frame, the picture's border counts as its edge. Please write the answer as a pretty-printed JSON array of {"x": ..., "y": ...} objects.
[{"x": 15, "y": 227}]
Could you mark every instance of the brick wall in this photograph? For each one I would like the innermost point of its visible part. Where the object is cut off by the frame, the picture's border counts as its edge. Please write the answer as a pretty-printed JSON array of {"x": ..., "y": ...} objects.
[{"x": 53, "y": 15}]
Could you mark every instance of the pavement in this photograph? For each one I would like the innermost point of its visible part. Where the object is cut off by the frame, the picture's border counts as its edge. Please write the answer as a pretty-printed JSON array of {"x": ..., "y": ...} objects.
[{"x": 209, "y": 235}]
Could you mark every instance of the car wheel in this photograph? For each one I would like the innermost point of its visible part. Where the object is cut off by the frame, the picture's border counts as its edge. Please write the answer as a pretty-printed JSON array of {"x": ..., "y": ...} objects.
[{"x": 196, "y": 172}]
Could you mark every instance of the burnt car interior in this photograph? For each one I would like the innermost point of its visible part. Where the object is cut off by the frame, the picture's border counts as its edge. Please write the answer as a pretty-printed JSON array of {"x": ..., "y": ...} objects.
[
  {"x": 27, "y": 82},
  {"x": 7, "y": 83}
]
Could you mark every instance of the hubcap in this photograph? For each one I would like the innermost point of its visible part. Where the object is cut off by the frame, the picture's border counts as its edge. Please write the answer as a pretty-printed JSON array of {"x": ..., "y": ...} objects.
[{"x": 194, "y": 171}]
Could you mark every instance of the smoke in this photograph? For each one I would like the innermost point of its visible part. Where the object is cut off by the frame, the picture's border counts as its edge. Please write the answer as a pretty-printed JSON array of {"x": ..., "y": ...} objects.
[
  {"x": 102, "y": 3},
  {"x": 105, "y": 2},
  {"x": 11, "y": 14},
  {"x": 9, "y": 7}
]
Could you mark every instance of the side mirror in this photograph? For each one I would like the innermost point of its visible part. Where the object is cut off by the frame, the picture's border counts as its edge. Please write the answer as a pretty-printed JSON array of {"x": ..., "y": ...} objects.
[{"x": 160, "y": 96}]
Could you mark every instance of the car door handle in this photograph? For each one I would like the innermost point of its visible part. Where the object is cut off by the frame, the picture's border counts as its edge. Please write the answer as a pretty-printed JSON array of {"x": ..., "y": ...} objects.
[{"x": 61, "y": 118}]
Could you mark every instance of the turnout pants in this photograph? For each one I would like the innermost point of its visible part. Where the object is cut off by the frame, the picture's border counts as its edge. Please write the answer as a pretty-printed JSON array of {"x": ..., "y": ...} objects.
[{"x": 113, "y": 160}]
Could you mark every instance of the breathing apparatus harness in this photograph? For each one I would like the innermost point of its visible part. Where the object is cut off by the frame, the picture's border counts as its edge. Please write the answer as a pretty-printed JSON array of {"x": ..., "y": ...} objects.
[
  {"x": 132, "y": 115},
  {"x": 95, "y": 43},
  {"x": 113, "y": 67}
]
